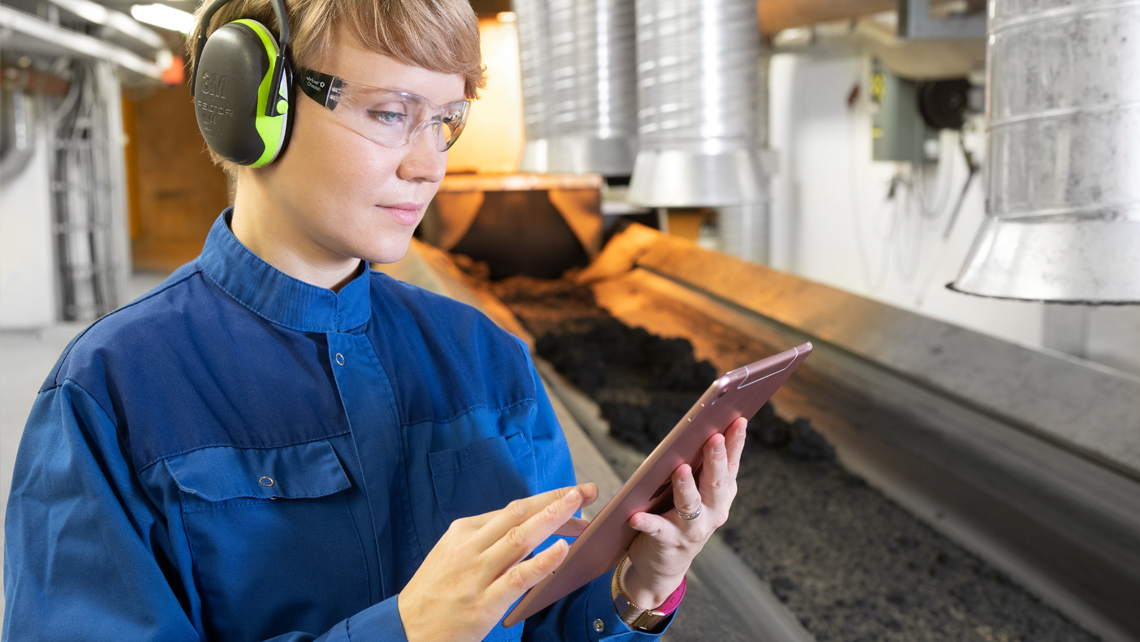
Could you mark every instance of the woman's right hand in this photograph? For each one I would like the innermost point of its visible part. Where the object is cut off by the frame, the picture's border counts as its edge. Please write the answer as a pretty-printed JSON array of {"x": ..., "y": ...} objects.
[{"x": 476, "y": 570}]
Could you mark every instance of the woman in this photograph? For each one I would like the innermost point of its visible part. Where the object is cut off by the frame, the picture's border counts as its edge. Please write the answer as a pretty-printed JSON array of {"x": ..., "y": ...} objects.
[{"x": 278, "y": 442}]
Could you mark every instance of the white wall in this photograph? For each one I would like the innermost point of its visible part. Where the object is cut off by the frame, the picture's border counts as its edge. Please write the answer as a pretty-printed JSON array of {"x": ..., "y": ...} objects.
[
  {"x": 27, "y": 263},
  {"x": 831, "y": 222},
  {"x": 829, "y": 195}
]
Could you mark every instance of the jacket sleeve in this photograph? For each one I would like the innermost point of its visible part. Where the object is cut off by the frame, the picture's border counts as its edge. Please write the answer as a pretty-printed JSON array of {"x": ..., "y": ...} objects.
[
  {"x": 588, "y": 613},
  {"x": 81, "y": 553}
]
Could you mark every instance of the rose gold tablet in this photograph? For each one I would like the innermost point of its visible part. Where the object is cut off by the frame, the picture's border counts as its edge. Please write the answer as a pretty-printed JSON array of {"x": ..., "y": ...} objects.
[{"x": 739, "y": 393}]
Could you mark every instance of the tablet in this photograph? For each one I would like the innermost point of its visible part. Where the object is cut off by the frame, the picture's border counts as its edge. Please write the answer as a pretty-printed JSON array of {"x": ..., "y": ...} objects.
[{"x": 740, "y": 393}]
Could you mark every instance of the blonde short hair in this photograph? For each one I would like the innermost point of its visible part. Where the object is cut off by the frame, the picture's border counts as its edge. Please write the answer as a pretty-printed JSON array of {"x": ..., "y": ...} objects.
[{"x": 439, "y": 35}]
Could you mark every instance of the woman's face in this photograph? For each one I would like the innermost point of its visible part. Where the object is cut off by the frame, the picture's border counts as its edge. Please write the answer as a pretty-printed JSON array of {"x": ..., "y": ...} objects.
[{"x": 342, "y": 197}]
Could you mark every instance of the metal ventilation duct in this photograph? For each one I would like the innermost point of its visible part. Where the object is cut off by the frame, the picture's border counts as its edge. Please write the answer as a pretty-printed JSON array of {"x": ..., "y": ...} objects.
[
  {"x": 697, "y": 92},
  {"x": 592, "y": 83},
  {"x": 578, "y": 85},
  {"x": 534, "y": 61},
  {"x": 563, "y": 108},
  {"x": 1063, "y": 213}
]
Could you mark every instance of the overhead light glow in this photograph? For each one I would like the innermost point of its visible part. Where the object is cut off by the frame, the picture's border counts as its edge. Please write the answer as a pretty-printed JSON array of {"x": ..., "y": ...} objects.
[
  {"x": 163, "y": 16},
  {"x": 506, "y": 16}
]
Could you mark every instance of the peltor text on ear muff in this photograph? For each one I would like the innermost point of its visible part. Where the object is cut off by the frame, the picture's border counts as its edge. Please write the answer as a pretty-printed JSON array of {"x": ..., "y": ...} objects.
[{"x": 242, "y": 87}]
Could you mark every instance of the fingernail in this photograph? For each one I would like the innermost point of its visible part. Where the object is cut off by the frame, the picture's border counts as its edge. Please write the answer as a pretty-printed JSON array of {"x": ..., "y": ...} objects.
[
  {"x": 571, "y": 497},
  {"x": 555, "y": 549}
]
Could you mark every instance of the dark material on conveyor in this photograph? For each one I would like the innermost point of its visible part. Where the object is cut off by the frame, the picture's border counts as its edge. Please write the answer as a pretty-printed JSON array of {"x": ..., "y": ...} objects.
[
  {"x": 851, "y": 564},
  {"x": 517, "y": 232}
]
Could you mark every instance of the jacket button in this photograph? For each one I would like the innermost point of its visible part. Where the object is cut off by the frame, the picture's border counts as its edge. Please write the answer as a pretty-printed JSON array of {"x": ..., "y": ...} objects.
[
  {"x": 599, "y": 625},
  {"x": 266, "y": 481},
  {"x": 339, "y": 359}
]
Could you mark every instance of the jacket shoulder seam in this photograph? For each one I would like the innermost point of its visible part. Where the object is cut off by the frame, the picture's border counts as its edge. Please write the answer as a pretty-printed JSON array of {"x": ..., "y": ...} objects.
[{"x": 74, "y": 342}]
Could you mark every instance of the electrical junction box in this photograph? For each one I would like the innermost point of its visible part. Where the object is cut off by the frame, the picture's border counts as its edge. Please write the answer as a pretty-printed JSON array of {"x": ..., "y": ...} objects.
[{"x": 898, "y": 132}]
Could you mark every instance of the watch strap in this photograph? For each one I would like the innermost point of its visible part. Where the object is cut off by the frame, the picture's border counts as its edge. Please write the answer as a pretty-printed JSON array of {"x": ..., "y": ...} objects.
[
  {"x": 675, "y": 598},
  {"x": 634, "y": 616}
]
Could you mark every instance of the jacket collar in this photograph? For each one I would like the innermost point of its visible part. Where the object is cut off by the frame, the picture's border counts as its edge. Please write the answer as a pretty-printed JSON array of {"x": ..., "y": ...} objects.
[{"x": 277, "y": 296}]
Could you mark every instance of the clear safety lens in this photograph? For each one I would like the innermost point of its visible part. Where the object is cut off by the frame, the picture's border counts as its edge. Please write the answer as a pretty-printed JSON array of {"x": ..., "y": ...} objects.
[{"x": 385, "y": 117}]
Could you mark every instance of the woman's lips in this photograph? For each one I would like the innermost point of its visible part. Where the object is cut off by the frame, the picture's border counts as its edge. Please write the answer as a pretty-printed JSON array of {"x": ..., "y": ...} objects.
[{"x": 404, "y": 213}]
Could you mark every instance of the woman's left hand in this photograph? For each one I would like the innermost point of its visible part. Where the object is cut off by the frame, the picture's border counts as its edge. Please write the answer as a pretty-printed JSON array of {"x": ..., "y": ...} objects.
[{"x": 667, "y": 544}]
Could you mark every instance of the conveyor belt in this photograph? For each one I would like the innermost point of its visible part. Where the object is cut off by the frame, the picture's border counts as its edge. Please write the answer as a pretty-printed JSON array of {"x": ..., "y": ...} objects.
[
  {"x": 725, "y": 601},
  {"x": 1060, "y": 516}
]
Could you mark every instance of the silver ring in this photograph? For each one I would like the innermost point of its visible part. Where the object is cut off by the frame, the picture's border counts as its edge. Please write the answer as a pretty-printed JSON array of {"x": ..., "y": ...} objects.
[{"x": 688, "y": 517}]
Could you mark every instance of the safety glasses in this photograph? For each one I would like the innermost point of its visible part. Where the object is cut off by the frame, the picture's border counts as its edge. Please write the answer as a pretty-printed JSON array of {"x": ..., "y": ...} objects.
[{"x": 385, "y": 117}]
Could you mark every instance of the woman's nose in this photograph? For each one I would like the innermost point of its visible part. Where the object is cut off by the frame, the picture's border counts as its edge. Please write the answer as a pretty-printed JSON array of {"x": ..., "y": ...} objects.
[{"x": 423, "y": 161}]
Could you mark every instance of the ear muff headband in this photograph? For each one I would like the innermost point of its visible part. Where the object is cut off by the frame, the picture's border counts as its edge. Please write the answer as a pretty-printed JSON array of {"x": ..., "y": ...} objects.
[
  {"x": 242, "y": 88},
  {"x": 208, "y": 17},
  {"x": 270, "y": 120}
]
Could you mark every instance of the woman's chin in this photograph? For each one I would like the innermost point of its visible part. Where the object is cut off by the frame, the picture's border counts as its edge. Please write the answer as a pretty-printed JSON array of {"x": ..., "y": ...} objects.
[{"x": 391, "y": 251}]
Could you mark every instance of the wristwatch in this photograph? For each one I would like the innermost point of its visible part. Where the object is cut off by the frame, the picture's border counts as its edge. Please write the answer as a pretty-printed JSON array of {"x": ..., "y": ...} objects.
[{"x": 635, "y": 617}]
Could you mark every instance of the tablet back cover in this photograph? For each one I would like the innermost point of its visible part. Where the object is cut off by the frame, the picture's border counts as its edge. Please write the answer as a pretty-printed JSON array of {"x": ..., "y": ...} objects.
[{"x": 739, "y": 393}]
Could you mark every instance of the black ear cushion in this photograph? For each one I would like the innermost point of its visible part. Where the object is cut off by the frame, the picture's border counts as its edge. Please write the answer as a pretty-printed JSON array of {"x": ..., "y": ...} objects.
[{"x": 231, "y": 68}]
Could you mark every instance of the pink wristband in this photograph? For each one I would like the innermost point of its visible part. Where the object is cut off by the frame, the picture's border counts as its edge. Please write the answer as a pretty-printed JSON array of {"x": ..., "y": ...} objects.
[{"x": 674, "y": 600}]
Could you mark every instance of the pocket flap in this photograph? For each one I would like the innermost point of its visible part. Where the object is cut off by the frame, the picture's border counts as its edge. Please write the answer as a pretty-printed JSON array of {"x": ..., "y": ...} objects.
[
  {"x": 507, "y": 448},
  {"x": 287, "y": 472}
]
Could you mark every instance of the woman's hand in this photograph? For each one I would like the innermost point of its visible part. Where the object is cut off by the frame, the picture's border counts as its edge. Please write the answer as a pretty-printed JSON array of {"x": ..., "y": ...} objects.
[
  {"x": 476, "y": 570},
  {"x": 667, "y": 544}
]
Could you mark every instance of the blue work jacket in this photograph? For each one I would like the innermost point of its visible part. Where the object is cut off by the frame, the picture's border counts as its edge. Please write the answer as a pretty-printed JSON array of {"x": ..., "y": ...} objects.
[{"x": 239, "y": 455}]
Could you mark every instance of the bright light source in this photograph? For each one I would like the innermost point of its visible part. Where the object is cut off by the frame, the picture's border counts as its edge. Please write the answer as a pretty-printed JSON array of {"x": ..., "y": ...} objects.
[
  {"x": 161, "y": 15},
  {"x": 794, "y": 37},
  {"x": 506, "y": 16}
]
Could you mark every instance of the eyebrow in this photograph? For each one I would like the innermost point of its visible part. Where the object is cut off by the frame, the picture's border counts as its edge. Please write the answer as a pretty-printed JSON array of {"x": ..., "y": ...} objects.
[{"x": 406, "y": 91}]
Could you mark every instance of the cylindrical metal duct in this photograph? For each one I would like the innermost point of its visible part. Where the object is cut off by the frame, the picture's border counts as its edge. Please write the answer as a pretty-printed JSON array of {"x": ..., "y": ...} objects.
[
  {"x": 532, "y": 22},
  {"x": 743, "y": 231},
  {"x": 592, "y": 81},
  {"x": 697, "y": 109},
  {"x": 1063, "y": 112},
  {"x": 563, "y": 108}
]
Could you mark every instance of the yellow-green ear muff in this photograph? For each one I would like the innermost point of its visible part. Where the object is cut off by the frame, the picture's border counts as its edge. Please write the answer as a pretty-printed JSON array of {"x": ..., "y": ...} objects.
[{"x": 242, "y": 88}]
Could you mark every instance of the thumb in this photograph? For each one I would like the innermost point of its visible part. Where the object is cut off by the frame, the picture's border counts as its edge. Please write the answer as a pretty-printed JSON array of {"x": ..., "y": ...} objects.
[{"x": 648, "y": 523}]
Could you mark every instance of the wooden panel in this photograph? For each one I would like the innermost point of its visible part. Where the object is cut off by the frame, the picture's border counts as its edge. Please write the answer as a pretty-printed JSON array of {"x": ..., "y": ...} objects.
[
  {"x": 777, "y": 15},
  {"x": 687, "y": 223},
  {"x": 180, "y": 192},
  {"x": 131, "y": 158}
]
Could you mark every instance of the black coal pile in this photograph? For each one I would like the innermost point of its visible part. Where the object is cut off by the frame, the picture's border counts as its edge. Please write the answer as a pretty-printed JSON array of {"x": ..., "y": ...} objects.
[
  {"x": 658, "y": 377},
  {"x": 642, "y": 382},
  {"x": 849, "y": 563}
]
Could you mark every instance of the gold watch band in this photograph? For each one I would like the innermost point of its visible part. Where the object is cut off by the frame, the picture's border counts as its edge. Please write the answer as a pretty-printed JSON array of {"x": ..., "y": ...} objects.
[{"x": 634, "y": 616}]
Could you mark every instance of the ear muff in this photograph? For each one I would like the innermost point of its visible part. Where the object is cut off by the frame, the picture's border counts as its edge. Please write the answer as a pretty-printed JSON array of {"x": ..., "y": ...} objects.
[{"x": 242, "y": 88}]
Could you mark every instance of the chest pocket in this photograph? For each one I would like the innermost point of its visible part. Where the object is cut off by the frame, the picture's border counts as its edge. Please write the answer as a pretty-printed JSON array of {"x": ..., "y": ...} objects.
[
  {"x": 483, "y": 477},
  {"x": 480, "y": 478},
  {"x": 272, "y": 527}
]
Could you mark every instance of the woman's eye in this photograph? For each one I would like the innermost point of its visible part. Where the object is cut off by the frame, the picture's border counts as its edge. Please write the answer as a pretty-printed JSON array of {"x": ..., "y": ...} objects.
[{"x": 388, "y": 117}]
